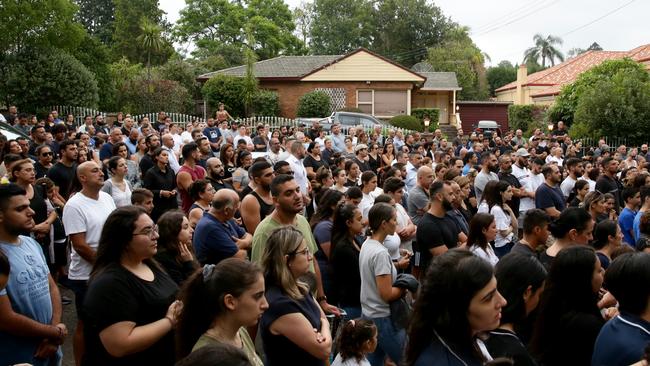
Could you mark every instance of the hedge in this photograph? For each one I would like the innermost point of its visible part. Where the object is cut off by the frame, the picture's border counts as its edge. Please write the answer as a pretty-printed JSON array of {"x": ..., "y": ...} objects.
[
  {"x": 227, "y": 90},
  {"x": 526, "y": 117},
  {"x": 314, "y": 104},
  {"x": 433, "y": 113},
  {"x": 266, "y": 103},
  {"x": 407, "y": 122}
]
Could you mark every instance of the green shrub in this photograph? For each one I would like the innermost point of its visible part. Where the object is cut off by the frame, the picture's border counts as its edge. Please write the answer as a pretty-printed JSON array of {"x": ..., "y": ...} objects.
[
  {"x": 314, "y": 104},
  {"x": 266, "y": 103},
  {"x": 433, "y": 113},
  {"x": 227, "y": 90},
  {"x": 526, "y": 117},
  {"x": 407, "y": 122},
  {"x": 38, "y": 78},
  {"x": 143, "y": 96}
]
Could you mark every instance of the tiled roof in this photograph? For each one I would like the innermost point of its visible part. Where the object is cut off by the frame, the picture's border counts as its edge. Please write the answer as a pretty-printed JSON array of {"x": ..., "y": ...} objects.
[
  {"x": 279, "y": 67},
  {"x": 440, "y": 81},
  {"x": 559, "y": 75}
]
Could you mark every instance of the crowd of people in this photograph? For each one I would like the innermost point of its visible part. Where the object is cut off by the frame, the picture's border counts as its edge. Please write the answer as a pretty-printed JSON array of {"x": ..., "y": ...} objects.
[{"x": 214, "y": 243}]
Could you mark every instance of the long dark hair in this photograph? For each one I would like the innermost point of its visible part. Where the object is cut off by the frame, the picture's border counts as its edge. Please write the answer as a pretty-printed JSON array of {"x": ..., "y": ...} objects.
[
  {"x": 514, "y": 273},
  {"x": 568, "y": 291},
  {"x": 169, "y": 226},
  {"x": 203, "y": 294},
  {"x": 479, "y": 222},
  {"x": 571, "y": 218},
  {"x": 116, "y": 235},
  {"x": 441, "y": 308},
  {"x": 326, "y": 207},
  {"x": 340, "y": 232},
  {"x": 602, "y": 232},
  {"x": 492, "y": 193}
]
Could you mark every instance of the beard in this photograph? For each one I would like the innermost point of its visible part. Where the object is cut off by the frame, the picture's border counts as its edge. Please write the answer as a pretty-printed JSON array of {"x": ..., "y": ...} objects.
[
  {"x": 494, "y": 169},
  {"x": 446, "y": 204},
  {"x": 506, "y": 171}
]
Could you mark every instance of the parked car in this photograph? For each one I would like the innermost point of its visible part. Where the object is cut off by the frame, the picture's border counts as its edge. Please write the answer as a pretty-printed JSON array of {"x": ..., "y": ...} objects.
[
  {"x": 351, "y": 119},
  {"x": 11, "y": 132},
  {"x": 488, "y": 128}
]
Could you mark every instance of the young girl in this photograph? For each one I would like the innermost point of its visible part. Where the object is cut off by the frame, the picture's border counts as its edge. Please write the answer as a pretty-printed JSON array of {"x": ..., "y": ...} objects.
[{"x": 357, "y": 339}]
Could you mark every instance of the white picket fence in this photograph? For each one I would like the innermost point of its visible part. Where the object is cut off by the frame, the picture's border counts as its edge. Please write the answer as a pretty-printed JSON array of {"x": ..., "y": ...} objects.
[{"x": 181, "y": 118}]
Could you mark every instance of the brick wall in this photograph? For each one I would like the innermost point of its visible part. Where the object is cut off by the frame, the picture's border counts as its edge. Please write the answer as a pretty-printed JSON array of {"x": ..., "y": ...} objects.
[{"x": 289, "y": 92}]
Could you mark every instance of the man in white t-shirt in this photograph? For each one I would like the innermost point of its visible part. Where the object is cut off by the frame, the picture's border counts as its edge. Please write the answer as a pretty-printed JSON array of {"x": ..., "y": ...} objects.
[
  {"x": 574, "y": 165},
  {"x": 522, "y": 173},
  {"x": 83, "y": 218}
]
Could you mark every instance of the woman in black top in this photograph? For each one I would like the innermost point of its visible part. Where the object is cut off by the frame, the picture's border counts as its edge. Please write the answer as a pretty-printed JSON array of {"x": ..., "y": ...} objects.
[
  {"x": 577, "y": 196},
  {"x": 129, "y": 307},
  {"x": 161, "y": 181},
  {"x": 520, "y": 280},
  {"x": 574, "y": 226},
  {"x": 294, "y": 326},
  {"x": 569, "y": 320},
  {"x": 344, "y": 259},
  {"x": 313, "y": 161},
  {"x": 175, "y": 246},
  {"x": 374, "y": 159},
  {"x": 608, "y": 237},
  {"x": 353, "y": 171},
  {"x": 227, "y": 157}
]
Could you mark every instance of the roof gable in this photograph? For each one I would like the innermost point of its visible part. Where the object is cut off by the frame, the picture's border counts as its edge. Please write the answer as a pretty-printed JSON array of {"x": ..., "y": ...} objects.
[
  {"x": 567, "y": 72},
  {"x": 363, "y": 65},
  {"x": 440, "y": 81}
]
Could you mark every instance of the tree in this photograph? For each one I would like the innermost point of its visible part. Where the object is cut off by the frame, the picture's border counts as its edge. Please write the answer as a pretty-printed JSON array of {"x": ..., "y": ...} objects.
[
  {"x": 567, "y": 101},
  {"x": 143, "y": 95},
  {"x": 97, "y": 16},
  {"x": 129, "y": 16},
  {"x": 302, "y": 16},
  {"x": 578, "y": 51},
  {"x": 459, "y": 54},
  {"x": 616, "y": 106},
  {"x": 38, "y": 23},
  {"x": 250, "y": 81},
  {"x": 39, "y": 78},
  {"x": 96, "y": 57},
  {"x": 227, "y": 90},
  {"x": 341, "y": 26},
  {"x": 150, "y": 41},
  {"x": 219, "y": 27},
  {"x": 405, "y": 28},
  {"x": 545, "y": 48},
  {"x": 500, "y": 75},
  {"x": 314, "y": 104}
]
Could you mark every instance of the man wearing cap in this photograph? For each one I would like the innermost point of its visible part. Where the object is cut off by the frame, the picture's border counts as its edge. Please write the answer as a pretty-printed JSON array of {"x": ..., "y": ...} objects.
[{"x": 361, "y": 157}]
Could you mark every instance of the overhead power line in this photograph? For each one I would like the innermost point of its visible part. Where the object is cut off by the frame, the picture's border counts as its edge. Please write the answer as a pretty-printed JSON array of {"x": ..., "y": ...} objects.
[
  {"x": 599, "y": 18},
  {"x": 506, "y": 17},
  {"x": 516, "y": 19}
]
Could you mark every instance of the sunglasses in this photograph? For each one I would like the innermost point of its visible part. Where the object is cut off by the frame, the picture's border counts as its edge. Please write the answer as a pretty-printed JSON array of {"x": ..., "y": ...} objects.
[{"x": 47, "y": 154}]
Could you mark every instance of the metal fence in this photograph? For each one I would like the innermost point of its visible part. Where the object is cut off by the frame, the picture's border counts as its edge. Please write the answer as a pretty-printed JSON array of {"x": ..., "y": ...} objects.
[{"x": 79, "y": 113}]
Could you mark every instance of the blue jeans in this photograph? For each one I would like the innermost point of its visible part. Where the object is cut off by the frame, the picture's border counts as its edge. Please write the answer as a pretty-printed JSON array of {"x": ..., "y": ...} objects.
[
  {"x": 353, "y": 312},
  {"x": 390, "y": 342}
]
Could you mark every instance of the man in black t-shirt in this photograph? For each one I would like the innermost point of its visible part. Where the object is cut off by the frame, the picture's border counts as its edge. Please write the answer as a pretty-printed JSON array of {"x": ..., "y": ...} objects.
[
  {"x": 64, "y": 171},
  {"x": 505, "y": 174},
  {"x": 437, "y": 232},
  {"x": 608, "y": 183}
]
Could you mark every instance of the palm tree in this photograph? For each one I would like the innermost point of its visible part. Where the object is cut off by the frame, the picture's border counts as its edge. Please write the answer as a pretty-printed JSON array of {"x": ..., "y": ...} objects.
[
  {"x": 544, "y": 48},
  {"x": 150, "y": 40}
]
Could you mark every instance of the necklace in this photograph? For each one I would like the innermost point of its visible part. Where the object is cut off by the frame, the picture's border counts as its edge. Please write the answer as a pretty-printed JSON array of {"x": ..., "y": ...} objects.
[{"x": 215, "y": 334}]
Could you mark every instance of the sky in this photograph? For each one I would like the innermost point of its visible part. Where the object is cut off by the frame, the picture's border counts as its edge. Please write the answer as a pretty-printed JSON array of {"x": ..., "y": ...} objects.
[{"x": 504, "y": 29}]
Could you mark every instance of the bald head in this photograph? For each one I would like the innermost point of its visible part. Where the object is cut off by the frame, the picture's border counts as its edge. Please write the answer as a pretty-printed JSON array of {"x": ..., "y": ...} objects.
[
  {"x": 425, "y": 177},
  {"x": 168, "y": 140},
  {"x": 225, "y": 202},
  {"x": 84, "y": 168},
  {"x": 90, "y": 176}
]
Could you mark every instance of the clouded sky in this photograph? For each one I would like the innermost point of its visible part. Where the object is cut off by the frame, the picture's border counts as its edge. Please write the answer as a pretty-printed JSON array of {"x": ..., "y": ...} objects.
[{"x": 504, "y": 28}]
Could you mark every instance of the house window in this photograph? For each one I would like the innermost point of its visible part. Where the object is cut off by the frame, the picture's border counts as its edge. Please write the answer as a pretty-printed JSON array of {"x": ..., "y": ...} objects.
[
  {"x": 384, "y": 103},
  {"x": 364, "y": 101}
]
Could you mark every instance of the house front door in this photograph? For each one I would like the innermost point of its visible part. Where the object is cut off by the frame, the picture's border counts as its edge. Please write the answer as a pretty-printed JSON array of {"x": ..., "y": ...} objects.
[{"x": 442, "y": 103}]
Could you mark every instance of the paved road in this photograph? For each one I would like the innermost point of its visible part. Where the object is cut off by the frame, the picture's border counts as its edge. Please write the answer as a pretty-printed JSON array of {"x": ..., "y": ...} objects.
[{"x": 70, "y": 320}]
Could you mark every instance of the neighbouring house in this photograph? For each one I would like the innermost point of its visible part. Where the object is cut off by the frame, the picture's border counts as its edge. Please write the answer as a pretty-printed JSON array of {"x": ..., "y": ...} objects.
[
  {"x": 360, "y": 79},
  {"x": 542, "y": 87}
]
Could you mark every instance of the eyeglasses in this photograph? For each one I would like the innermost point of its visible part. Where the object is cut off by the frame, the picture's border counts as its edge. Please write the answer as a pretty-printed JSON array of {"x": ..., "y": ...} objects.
[
  {"x": 303, "y": 252},
  {"x": 150, "y": 231},
  {"x": 47, "y": 154}
]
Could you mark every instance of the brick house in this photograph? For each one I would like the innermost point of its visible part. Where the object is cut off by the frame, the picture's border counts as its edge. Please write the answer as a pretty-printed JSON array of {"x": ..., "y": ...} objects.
[
  {"x": 360, "y": 79},
  {"x": 542, "y": 87}
]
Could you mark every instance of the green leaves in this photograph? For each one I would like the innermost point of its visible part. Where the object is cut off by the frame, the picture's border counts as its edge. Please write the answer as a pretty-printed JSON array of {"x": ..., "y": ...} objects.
[
  {"x": 545, "y": 49},
  {"x": 314, "y": 104}
]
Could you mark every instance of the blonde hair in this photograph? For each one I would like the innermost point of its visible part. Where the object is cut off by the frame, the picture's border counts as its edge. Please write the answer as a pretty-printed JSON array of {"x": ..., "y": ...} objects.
[{"x": 283, "y": 241}]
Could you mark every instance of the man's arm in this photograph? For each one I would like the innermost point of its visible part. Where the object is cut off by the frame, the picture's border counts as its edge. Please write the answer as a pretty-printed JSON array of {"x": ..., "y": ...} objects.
[
  {"x": 184, "y": 180},
  {"x": 250, "y": 213},
  {"x": 82, "y": 248},
  {"x": 22, "y": 326},
  {"x": 55, "y": 297}
]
